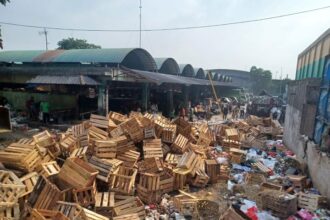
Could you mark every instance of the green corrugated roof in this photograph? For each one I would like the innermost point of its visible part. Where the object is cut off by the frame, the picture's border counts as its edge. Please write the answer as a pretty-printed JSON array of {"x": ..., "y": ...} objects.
[{"x": 19, "y": 55}]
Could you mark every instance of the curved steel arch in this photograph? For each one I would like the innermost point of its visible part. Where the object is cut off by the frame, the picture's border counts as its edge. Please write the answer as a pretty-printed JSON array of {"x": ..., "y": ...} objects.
[
  {"x": 200, "y": 73},
  {"x": 167, "y": 66},
  {"x": 187, "y": 70}
]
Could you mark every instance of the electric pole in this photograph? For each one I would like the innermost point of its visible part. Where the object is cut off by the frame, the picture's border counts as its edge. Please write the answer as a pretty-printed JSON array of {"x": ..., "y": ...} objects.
[
  {"x": 140, "y": 22},
  {"x": 45, "y": 32}
]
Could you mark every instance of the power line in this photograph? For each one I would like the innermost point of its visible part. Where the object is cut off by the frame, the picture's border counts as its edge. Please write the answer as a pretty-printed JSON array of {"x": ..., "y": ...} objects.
[{"x": 170, "y": 28}]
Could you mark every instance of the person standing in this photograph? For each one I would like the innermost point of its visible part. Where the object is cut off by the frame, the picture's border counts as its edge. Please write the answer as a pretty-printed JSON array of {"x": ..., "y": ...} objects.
[
  {"x": 225, "y": 110},
  {"x": 44, "y": 108}
]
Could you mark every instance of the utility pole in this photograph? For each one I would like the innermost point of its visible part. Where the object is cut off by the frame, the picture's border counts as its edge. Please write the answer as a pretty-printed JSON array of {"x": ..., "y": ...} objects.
[
  {"x": 140, "y": 22},
  {"x": 45, "y": 32}
]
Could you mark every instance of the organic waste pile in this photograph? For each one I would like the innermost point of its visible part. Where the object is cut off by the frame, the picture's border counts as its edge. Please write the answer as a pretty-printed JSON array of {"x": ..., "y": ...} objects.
[{"x": 148, "y": 167}]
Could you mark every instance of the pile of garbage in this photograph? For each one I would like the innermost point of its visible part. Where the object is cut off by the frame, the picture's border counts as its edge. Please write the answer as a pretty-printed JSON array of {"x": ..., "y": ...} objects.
[{"x": 149, "y": 167}]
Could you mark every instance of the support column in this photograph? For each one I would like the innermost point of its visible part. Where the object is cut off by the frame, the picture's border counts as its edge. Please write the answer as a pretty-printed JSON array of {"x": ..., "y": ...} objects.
[
  {"x": 101, "y": 100},
  {"x": 170, "y": 105},
  {"x": 145, "y": 97},
  {"x": 186, "y": 91}
]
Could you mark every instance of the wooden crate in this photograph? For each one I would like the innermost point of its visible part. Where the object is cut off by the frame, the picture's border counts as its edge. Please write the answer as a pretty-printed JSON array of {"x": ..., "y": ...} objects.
[
  {"x": 148, "y": 197},
  {"x": 123, "y": 181},
  {"x": 183, "y": 126},
  {"x": 234, "y": 213},
  {"x": 21, "y": 157},
  {"x": 180, "y": 144},
  {"x": 44, "y": 140},
  {"x": 116, "y": 132},
  {"x": 186, "y": 204},
  {"x": 104, "y": 203},
  {"x": 173, "y": 158},
  {"x": 150, "y": 165},
  {"x": 298, "y": 181},
  {"x": 11, "y": 212},
  {"x": 212, "y": 169},
  {"x": 95, "y": 133},
  {"x": 237, "y": 155},
  {"x": 42, "y": 214},
  {"x": 99, "y": 121},
  {"x": 77, "y": 173},
  {"x": 201, "y": 178},
  {"x": 150, "y": 181},
  {"x": 104, "y": 167},
  {"x": 311, "y": 202},
  {"x": 260, "y": 166},
  {"x": 188, "y": 161},
  {"x": 133, "y": 216},
  {"x": 159, "y": 127},
  {"x": 45, "y": 194},
  {"x": 71, "y": 210},
  {"x": 81, "y": 152},
  {"x": 117, "y": 117},
  {"x": 29, "y": 180},
  {"x": 255, "y": 178},
  {"x": 152, "y": 148},
  {"x": 180, "y": 178},
  {"x": 204, "y": 140},
  {"x": 105, "y": 149},
  {"x": 149, "y": 132},
  {"x": 94, "y": 216},
  {"x": 67, "y": 144},
  {"x": 49, "y": 168},
  {"x": 123, "y": 144},
  {"x": 129, "y": 158},
  {"x": 11, "y": 188},
  {"x": 169, "y": 134},
  {"x": 132, "y": 128},
  {"x": 270, "y": 186},
  {"x": 166, "y": 182},
  {"x": 85, "y": 196},
  {"x": 129, "y": 205}
]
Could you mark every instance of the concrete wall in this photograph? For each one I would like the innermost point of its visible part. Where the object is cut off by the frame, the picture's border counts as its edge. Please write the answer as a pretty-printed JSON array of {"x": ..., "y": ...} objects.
[{"x": 306, "y": 152}]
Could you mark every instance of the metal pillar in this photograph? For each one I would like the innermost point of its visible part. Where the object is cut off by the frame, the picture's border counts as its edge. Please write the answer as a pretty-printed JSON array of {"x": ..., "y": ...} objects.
[
  {"x": 101, "y": 100},
  {"x": 186, "y": 91},
  {"x": 145, "y": 97}
]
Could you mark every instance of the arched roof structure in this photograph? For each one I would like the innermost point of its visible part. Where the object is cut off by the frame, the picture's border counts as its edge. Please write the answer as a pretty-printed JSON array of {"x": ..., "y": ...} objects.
[
  {"x": 167, "y": 66},
  {"x": 200, "y": 73},
  {"x": 187, "y": 70},
  {"x": 135, "y": 58}
]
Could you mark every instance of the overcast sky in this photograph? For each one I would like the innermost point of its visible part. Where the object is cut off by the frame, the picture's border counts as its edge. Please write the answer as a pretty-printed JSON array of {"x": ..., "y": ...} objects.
[{"x": 272, "y": 45}]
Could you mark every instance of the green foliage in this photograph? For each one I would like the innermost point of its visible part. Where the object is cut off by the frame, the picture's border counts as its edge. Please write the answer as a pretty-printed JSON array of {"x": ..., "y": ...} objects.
[
  {"x": 4, "y": 2},
  {"x": 72, "y": 43},
  {"x": 261, "y": 78}
]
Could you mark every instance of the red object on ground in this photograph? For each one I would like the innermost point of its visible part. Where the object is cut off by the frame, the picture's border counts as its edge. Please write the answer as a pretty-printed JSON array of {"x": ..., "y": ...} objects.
[{"x": 252, "y": 213}]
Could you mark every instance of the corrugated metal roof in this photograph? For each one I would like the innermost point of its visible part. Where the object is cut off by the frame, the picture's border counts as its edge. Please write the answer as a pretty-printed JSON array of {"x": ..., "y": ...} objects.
[
  {"x": 167, "y": 65},
  {"x": 187, "y": 70},
  {"x": 20, "y": 55},
  {"x": 200, "y": 73},
  {"x": 63, "y": 80}
]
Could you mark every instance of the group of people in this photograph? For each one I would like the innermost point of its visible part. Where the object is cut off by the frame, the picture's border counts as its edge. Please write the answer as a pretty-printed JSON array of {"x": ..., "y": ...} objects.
[
  {"x": 38, "y": 110},
  {"x": 236, "y": 110}
]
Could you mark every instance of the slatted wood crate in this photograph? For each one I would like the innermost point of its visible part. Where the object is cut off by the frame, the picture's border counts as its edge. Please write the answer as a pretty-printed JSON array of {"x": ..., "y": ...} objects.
[
  {"x": 232, "y": 213},
  {"x": 311, "y": 202},
  {"x": 180, "y": 144},
  {"x": 129, "y": 205},
  {"x": 150, "y": 181},
  {"x": 43, "y": 141},
  {"x": 147, "y": 196},
  {"x": 45, "y": 194},
  {"x": 49, "y": 168},
  {"x": 133, "y": 216},
  {"x": 11, "y": 188},
  {"x": 180, "y": 177},
  {"x": 159, "y": 127},
  {"x": 232, "y": 134},
  {"x": 29, "y": 180},
  {"x": 150, "y": 165},
  {"x": 77, "y": 173},
  {"x": 85, "y": 196},
  {"x": 169, "y": 134},
  {"x": 201, "y": 178},
  {"x": 188, "y": 161},
  {"x": 186, "y": 205},
  {"x": 123, "y": 144},
  {"x": 149, "y": 132},
  {"x": 105, "y": 149},
  {"x": 117, "y": 117},
  {"x": 152, "y": 148},
  {"x": 94, "y": 216},
  {"x": 212, "y": 169},
  {"x": 67, "y": 144},
  {"x": 173, "y": 158},
  {"x": 116, "y": 132},
  {"x": 270, "y": 186},
  {"x": 104, "y": 167},
  {"x": 20, "y": 156},
  {"x": 104, "y": 203},
  {"x": 99, "y": 121},
  {"x": 129, "y": 158},
  {"x": 255, "y": 178},
  {"x": 11, "y": 212},
  {"x": 42, "y": 214},
  {"x": 123, "y": 181},
  {"x": 132, "y": 128},
  {"x": 166, "y": 182},
  {"x": 183, "y": 126},
  {"x": 260, "y": 166},
  {"x": 237, "y": 155},
  {"x": 95, "y": 133},
  {"x": 81, "y": 152},
  {"x": 298, "y": 181},
  {"x": 71, "y": 210}
]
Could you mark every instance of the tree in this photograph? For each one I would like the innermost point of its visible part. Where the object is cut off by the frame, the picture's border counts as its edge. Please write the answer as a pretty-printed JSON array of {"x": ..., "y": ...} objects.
[
  {"x": 72, "y": 43},
  {"x": 261, "y": 78},
  {"x": 4, "y": 2}
]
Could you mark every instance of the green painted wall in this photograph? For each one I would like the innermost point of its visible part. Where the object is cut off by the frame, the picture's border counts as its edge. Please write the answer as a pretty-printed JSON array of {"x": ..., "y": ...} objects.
[
  {"x": 56, "y": 101},
  {"x": 313, "y": 70}
]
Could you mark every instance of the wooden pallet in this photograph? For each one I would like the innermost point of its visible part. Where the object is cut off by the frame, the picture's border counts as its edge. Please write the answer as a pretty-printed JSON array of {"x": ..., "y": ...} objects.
[
  {"x": 42, "y": 214},
  {"x": 49, "y": 168},
  {"x": 81, "y": 152},
  {"x": 105, "y": 167},
  {"x": 11, "y": 212},
  {"x": 129, "y": 158},
  {"x": 212, "y": 169},
  {"x": 99, "y": 121},
  {"x": 311, "y": 202},
  {"x": 94, "y": 216},
  {"x": 173, "y": 158},
  {"x": 260, "y": 166},
  {"x": 169, "y": 134},
  {"x": 11, "y": 188},
  {"x": 129, "y": 205},
  {"x": 29, "y": 180},
  {"x": 104, "y": 203},
  {"x": 123, "y": 181},
  {"x": 77, "y": 173},
  {"x": 71, "y": 210},
  {"x": 85, "y": 196},
  {"x": 152, "y": 148},
  {"x": 105, "y": 149},
  {"x": 180, "y": 144}
]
